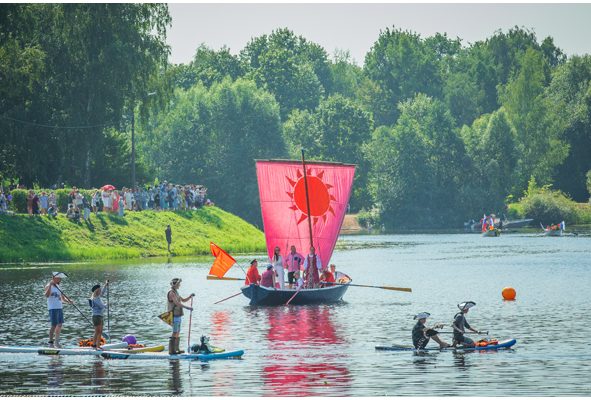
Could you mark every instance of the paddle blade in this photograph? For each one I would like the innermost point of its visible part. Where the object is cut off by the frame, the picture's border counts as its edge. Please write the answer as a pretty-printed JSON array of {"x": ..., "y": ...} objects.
[
  {"x": 166, "y": 317},
  {"x": 400, "y": 289}
]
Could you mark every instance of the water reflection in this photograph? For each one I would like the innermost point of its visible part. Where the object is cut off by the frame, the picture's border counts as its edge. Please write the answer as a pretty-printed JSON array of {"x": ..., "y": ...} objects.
[
  {"x": 98, "y": 378},
  {"x": 55, "y": 376},
  {"x": 303, "y": 362},
  {"x": 175, "y": 383}
]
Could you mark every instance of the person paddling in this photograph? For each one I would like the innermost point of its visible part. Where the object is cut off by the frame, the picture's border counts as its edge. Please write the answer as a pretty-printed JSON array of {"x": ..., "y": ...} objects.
[
  {"x": 175, "y": 304},
  {"x": 55, "y": 300},
  {"x": 421, "y": 334},
  {"x": 98, "y": 308},
  {"x": 460, "y": 324}
]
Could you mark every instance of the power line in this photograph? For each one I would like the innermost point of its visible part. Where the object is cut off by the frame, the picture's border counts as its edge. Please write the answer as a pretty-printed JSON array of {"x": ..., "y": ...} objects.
[{"x": 52, "y": 126}]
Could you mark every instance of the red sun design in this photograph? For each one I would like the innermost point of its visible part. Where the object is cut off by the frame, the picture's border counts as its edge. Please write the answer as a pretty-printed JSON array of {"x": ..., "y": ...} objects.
[{"x": 318, "y": 193}]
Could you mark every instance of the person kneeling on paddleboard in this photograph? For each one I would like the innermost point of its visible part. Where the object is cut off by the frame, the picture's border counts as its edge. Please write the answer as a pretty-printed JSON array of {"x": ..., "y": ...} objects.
[
  {"x": 460, "y": 324},
  {"x": 421, "y": 334},
  {"x": 98, "y": 308}
]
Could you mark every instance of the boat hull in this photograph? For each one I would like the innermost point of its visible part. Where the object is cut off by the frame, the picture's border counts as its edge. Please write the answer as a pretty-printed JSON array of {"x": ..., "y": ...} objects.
[
  {"x": 491, "y": 233},
  {"x": 114, "y": 355},
  {"x": 557, "y": 232},
  {"x": 262, "y": 296}
]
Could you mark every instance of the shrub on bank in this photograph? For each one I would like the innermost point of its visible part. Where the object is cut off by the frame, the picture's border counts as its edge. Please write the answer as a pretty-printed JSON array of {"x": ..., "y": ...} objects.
[{"x": 548, "y": 206}]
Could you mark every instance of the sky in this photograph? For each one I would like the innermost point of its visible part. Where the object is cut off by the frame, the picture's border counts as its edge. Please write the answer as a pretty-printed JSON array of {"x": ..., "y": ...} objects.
[{"x": 355, "y": 27}]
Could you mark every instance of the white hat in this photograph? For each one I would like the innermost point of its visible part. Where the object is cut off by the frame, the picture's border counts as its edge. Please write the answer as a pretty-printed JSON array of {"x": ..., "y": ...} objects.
[
  {"x": 423, "y": 315},
  {"x": 60, "y": 275},
  {"x": 466, "y": 305}
]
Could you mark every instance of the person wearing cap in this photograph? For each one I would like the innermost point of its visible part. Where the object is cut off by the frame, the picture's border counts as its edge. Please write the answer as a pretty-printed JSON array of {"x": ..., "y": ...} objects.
[
  {"x": 252, "y": 275},
  {"x": 98, "y": 308},
  {"x": 460, "y": 324},
  {"x": 55, "y": 300},
  {"x": 175, "y": 304},
  {"x": 268, "y": 277},
  {"x": 421, "y": 334}
]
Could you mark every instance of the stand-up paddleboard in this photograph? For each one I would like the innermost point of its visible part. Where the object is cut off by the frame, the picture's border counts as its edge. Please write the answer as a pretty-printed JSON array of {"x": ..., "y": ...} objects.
[
  {"x": 505, "y": 344},
  {"x": 115, "y": 355},
  {"x": 37, "y": 349},
  {"x": 91, "y": 351}
]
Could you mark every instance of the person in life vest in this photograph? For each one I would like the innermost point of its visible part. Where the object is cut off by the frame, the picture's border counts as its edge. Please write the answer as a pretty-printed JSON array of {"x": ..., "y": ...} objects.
[
  {"x": 268, "y": 277},
  {"x": 252, "y": 275},
  {"x": 460, "y": 324},
  {"x": 421, "y": 334},
  {"x": 312, "y": 266},
  {"x": 175, "y": 304}
]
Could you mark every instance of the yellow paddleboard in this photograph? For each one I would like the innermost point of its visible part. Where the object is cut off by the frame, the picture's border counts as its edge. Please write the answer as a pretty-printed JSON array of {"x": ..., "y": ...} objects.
[{"x": 145, "y": 349}]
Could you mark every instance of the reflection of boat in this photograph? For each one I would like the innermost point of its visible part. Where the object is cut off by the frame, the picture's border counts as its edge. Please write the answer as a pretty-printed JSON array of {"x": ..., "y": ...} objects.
[
  {"x": 260, "y": 295},
  {"x": 302, "y": 204}
]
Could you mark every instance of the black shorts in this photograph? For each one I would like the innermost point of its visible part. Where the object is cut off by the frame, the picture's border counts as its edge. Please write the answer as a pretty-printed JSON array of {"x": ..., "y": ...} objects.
[
  {"x": 290, "y": 277},
  {"x": 97, "y": 320},
  {"x": 431, "y": 332}
]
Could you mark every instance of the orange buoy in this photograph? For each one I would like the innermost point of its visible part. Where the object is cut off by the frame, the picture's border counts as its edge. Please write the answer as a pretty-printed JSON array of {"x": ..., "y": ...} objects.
[{"x": 508, "y": 293}]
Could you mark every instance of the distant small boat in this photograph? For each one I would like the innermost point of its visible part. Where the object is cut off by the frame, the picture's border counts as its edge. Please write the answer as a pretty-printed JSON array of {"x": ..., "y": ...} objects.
[
  {"x": 554, "y": 230},
  {"x": 492, "y": 233},
  {"x": 550, "y": 232}
]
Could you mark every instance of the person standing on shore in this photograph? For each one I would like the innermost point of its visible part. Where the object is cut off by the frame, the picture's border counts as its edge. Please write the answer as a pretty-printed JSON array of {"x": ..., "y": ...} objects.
[
  {"x": 168, "y": 233},
  {"x": 175, "y": 304},
  {"x": 55, "y": 300}
]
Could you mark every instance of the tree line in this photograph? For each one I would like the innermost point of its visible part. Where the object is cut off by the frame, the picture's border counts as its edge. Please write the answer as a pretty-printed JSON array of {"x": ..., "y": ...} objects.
[{"x": 441, "y": 131}]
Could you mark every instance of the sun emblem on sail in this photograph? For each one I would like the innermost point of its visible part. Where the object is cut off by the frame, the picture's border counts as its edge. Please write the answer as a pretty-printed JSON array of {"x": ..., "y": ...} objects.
[{"x": 318, "y": 192}]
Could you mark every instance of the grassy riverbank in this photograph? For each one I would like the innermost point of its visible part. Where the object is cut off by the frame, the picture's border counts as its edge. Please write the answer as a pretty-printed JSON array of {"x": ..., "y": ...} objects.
[{"x": 137, "y": 234}]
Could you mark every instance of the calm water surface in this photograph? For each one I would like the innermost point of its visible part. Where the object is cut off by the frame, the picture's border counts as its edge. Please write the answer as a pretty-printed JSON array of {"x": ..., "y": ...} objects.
[{"x": 326, "y": 350}]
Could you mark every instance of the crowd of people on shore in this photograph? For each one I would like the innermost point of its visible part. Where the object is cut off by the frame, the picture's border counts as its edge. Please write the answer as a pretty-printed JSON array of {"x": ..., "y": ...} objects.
[{"x": 165, "y": 196}]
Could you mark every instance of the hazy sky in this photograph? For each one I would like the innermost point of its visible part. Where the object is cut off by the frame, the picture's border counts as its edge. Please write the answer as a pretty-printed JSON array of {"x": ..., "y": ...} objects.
[{"x": 355, "y": 27}]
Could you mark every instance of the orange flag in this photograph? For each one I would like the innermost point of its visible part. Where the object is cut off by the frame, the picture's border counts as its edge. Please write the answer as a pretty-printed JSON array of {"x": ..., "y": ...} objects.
[{"x": 223, "y": 261}]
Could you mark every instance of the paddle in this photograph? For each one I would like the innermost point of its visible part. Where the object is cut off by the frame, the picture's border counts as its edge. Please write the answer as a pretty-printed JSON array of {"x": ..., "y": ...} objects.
[
  {"x": 228, "y": 298},
  {"x": 223, "y": 278},
  {"x": 400, "y": 289},
  {"x": 189, "y": 335},
  {"x": 467, "y": 333},
  {"x": 108, "y": 313},
  {"x": 105, "y": 335},
  {"x": 295, "y": 294}
]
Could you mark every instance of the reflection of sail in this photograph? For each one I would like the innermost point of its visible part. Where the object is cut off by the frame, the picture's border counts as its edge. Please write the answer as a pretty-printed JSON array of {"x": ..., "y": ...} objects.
[
  {"x": 303, "y": 360},
  {"x": 220, "y": 320},
  {"x": 297, "y": 324}
]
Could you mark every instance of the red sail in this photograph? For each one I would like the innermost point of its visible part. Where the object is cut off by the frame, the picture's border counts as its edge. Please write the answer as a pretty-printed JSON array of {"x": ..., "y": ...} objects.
[{"x": 283, "y": 204}]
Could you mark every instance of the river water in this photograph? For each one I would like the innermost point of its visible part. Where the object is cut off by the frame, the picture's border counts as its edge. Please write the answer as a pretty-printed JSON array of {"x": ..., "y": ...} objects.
[{"x": 326, "y": 350}]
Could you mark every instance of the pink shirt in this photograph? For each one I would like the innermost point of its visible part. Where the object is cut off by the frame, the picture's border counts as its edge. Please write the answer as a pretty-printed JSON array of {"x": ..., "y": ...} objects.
[
  {"x": 267, "y": 278},
  {"x": 293, "y": 262}
]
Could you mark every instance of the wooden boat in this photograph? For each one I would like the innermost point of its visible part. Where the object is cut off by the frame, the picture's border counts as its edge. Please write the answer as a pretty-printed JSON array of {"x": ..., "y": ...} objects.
[
  {"x": 263, "y": 296},
  {"x": 302, "y": 204},
  {"x": 553, "y": 232}
]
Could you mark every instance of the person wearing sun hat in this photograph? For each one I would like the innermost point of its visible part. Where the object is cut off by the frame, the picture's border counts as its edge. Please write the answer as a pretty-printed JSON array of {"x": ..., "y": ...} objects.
[
  {"x": 421, "y": 334},
  {"x": 98, "y": 308},
  {"x": 55, "y": 300},
  {"x": 460, "y": 324},
  {"x": 175, "y": 304}
]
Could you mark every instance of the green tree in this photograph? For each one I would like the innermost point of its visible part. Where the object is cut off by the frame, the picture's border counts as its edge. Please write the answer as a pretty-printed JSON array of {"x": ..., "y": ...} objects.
[
  {"x": 295, "y": 71},
  {"x": 537, "y": 140},
  {"x": 402, "y": 65},
  {"x": 569, "y": 95},
  {"x": 346, "y": 76}
]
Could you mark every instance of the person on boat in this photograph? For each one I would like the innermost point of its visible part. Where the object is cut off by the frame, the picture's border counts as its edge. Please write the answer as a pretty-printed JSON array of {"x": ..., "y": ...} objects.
[
  {"x": 421, "y": 334},
  {"x": 293, "y": 263},
  {"x": 299, "y": 281},
  {"x": 268, "y": 277},
  {"x": 312, "y": 266},
  {"x": 55, "y": 300},
  {"x": 98, "y": 308},
  {"x": 252, "y": 275},
  {"x": 175, "y": 304},
  {"x": 460, "y": 324},
  {"x": 278, "y": 266},
  {"x": 327, "y": 277}
]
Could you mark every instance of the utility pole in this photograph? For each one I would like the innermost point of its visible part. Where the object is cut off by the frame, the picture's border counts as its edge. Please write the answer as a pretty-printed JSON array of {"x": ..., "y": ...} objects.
[{"x": 133, "y": 149}]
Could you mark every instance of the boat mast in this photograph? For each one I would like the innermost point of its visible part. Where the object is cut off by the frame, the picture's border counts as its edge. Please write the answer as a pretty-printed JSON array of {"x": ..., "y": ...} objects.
[{"x": 307, "y": 200}]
